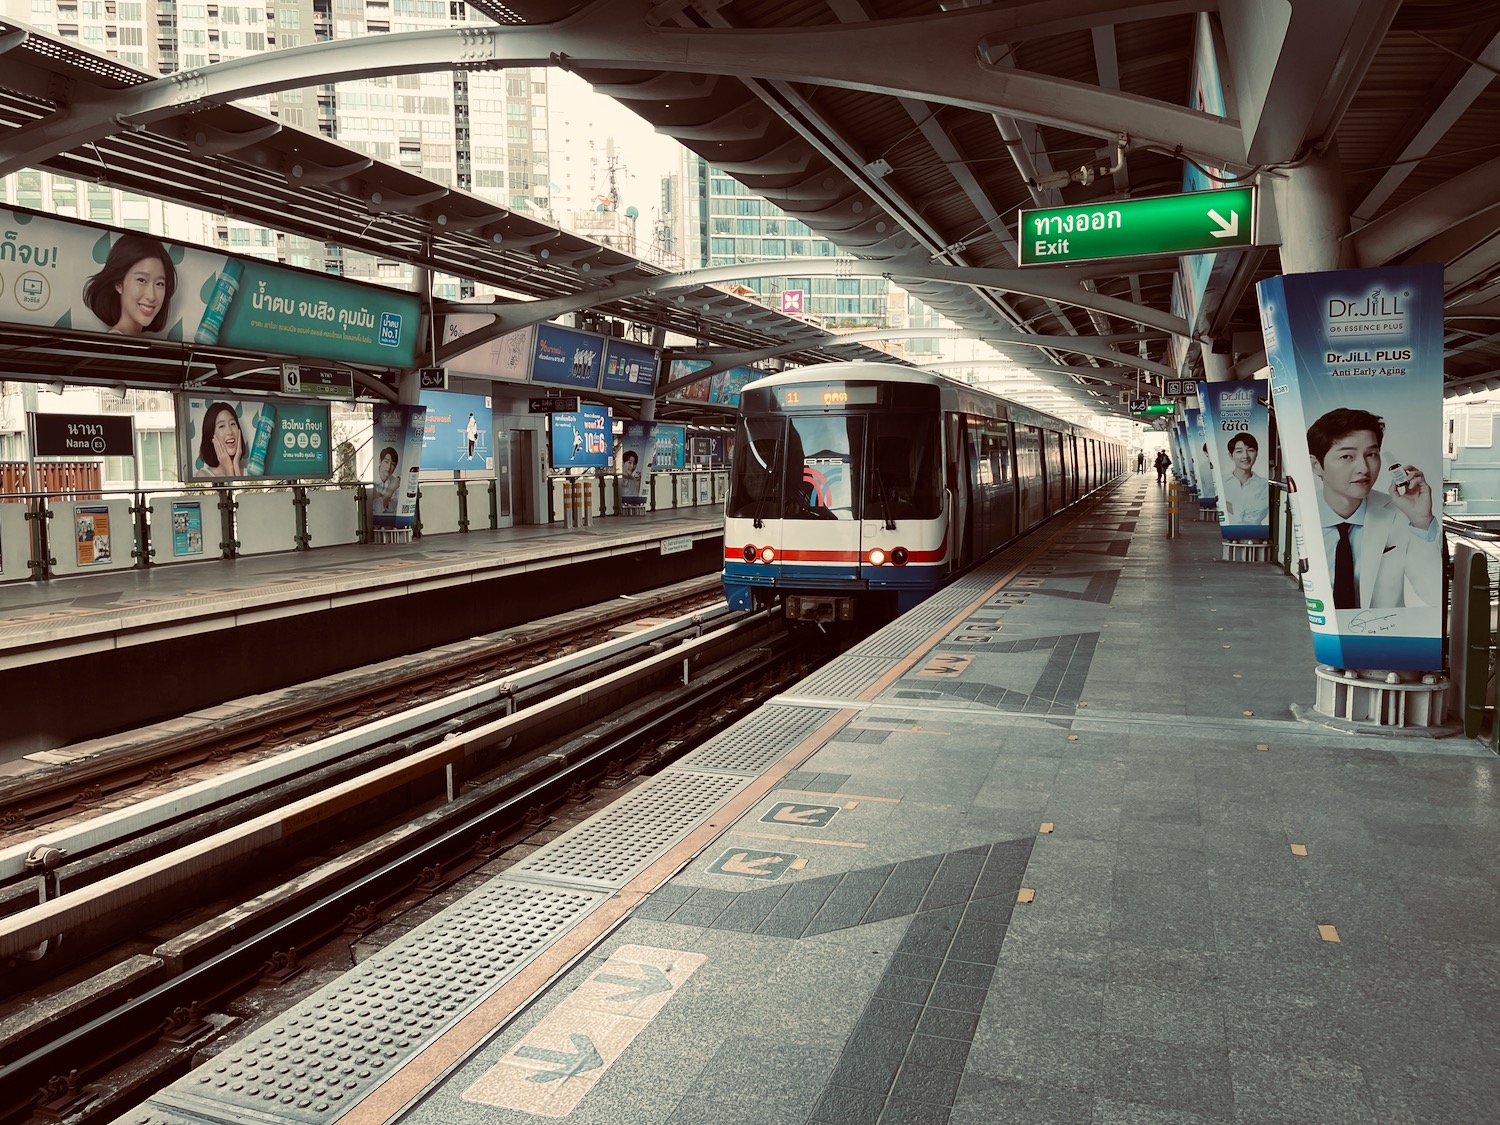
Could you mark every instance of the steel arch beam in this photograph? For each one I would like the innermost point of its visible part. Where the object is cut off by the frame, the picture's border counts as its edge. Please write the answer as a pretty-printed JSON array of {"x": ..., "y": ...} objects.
[
  {"x": 1060, "y": 285},
  {"x": 942, "y": 61}
]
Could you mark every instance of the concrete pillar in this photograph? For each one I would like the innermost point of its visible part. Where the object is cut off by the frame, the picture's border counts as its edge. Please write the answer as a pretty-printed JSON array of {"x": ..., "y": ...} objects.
[{"x": 1312, "y": 213}]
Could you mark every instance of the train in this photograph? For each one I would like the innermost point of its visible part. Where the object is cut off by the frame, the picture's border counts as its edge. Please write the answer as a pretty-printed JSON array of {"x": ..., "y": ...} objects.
[{"x": 859, "y": 489}]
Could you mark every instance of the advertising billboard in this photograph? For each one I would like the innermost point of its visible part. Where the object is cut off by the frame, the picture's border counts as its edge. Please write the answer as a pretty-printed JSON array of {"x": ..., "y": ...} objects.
[
  {"x": 681, "y": 369},
  {"x": 637, "y": 445},
  {"x": 1197, "y": 449},
  {"x": 397, "y": 442},
  {"x": 236, "y": 439},
  {"x": 581, "y": 438},
  {"x": 629, "y": 369},
  {"x": 1239, "y": 431},
  {"x": 459, "y": 431},
  {"x": 566, "y": 358},
  {"x": 725, "y": 387},
  {"x": 56, "y": 273},
  {"x": 1357, "y": 380}
]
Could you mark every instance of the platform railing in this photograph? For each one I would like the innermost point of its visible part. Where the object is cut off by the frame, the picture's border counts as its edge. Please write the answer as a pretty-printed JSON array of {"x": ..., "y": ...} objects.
[{"x": 50, "y": 534}]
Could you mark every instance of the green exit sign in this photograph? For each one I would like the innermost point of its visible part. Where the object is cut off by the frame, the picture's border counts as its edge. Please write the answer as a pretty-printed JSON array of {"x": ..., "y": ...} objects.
[
  {"x": 1196, "y": 222},
  {"x": 1155, "y": 409}
]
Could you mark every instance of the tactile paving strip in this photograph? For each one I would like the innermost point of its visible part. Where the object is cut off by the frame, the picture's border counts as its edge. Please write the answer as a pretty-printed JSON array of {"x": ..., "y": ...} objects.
[
  {"x": 318, "y": 1060},
  {"x": 845, "y": 678},
  {"x": 756, "y": 741},
  {"x": 617, "y": 843}
]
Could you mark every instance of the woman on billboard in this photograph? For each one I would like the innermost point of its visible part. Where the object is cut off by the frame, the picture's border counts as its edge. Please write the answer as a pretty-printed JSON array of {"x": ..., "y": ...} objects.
[
  {"x": 133, "y": 293},
  {"x": 222, "y": 447}
]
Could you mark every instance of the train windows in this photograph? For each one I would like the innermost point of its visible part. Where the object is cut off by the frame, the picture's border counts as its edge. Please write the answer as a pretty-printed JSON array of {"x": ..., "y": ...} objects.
[
  {"x": 824, "y": 448},
  {"x": 755, "y": 491},
  {"x": 904, "y": 475}
]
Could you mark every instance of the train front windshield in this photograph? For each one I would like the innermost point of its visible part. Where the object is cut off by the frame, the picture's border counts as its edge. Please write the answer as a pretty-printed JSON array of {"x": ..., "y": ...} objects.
[{"x": 837, "y": 466}]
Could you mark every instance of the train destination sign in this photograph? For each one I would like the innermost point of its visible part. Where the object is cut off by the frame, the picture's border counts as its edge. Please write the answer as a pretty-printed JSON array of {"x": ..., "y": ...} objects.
[{"x": 1195, "y": 222}]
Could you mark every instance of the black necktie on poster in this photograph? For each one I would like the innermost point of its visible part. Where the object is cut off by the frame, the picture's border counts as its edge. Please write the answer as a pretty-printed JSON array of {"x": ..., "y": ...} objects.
[{"x": 1345, "y": 589}]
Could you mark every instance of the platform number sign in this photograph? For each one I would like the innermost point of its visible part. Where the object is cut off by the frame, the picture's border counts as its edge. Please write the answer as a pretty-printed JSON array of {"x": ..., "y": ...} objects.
[{"x": 291, "y": 378}]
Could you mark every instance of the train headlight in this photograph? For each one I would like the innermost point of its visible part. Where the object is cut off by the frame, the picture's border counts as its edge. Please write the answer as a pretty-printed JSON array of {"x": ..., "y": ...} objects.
[
  {"x": 899, "y": 556},
  {"x": 877, "y": 557},
  {"x": 767, "y": 554},
  {"x": 749, "y": 552}
]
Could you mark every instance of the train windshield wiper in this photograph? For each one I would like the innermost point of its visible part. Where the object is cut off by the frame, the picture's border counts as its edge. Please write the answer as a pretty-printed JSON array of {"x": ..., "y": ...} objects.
[
  {"x": 885, "y": 509},
  {"x": 760, "y": 506}
]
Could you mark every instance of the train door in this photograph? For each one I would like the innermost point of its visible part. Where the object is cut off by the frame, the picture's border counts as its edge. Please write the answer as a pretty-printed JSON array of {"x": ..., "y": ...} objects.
[
  {"x": 1031, "y": 493},
  {"x": 1054, "y": 473}
]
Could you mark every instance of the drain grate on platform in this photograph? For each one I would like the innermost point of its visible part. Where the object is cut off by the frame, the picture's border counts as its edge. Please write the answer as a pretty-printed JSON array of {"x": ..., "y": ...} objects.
[{"x": 314, "y": 1063}]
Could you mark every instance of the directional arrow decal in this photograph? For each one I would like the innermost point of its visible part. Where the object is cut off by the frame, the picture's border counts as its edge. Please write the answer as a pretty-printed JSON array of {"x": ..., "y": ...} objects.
[
  {"x": 654, "y": 982},
  {"x": 741, "y": 864},
  {"x": 1230, "y": 229},
  {"x": 580, "y": 1060},
  {"x": 793, "y": 814}
]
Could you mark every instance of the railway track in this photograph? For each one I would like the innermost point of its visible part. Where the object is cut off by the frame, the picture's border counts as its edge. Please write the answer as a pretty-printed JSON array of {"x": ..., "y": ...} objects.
[
  {"x": 113, "y": 772},
  {"x": 89, "y": 1052}
]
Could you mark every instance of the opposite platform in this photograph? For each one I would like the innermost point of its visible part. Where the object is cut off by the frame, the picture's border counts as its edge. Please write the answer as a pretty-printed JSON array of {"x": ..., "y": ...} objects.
[
  {"x": 1052, "y": 848},
  {"x": 67, "y": 616}
]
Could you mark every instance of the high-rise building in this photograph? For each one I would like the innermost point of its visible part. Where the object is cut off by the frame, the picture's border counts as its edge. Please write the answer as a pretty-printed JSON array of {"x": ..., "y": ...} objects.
[
  {"x": 727, "y": 223},
  {"x": 482, "y": 132}
]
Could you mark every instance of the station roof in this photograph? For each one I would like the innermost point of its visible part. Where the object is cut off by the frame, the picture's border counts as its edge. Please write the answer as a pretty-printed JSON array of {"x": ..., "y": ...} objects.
[{"x": 908, "y": 132}]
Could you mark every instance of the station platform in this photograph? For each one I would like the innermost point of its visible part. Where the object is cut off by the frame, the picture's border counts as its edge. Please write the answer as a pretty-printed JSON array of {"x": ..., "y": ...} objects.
[
  {"x": 1053, "y": 847},
  {"x": 143, "y": 642}
]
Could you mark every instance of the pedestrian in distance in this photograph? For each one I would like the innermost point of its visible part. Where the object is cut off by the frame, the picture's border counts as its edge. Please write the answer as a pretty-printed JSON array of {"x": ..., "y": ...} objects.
[
  {"x": 1140, "y": 461},
  {"x": 1162, "y": 464}
]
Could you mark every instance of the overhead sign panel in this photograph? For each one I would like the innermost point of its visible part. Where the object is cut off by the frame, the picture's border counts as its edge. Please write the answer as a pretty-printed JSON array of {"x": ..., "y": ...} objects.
[{"x": 1191, "y": 223}]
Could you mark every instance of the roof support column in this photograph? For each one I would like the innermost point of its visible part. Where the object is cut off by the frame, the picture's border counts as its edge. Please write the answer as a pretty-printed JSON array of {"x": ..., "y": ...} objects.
[{"x": 1311, "y": 212}]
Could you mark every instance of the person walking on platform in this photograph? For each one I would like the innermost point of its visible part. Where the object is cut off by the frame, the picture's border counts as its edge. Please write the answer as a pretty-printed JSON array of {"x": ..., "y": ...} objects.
[
  {"x": 1140, "y": 461},
  {"x": 1162, "y": 462}
]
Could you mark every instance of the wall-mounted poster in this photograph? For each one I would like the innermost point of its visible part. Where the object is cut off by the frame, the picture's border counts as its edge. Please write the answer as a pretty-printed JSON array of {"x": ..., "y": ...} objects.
[
  {"x": 580, "y": 438},
  {"x": 460, "y": 431},
  {"x": 187, "y": 528},
  {"x": 235, "y": 439},
  {"x": 92, "y": 536},
  {"x": 1357, "y": 380},
  {"x": 65, "y": 274},
  {"x": 1196, "y": 442}
]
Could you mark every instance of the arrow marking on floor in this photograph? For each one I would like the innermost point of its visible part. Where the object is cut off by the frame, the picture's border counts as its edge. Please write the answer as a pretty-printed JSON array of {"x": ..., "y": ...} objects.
[
  {"x": 654, "y": 982},
  {"x": 583, "y": 1058},
  {"x": 793, "y": 815},
  {"x": 742, "y": 864}
]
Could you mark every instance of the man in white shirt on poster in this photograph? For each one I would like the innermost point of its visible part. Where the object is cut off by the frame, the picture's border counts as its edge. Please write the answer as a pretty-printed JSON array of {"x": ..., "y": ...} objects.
[
  {"x": 1394, "y": 541},
  {"x": 1246, "y": 497}
]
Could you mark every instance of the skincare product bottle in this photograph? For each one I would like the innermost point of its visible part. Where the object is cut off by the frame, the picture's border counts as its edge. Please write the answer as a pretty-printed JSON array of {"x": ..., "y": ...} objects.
[
  {"x": 260, "y": 444},
  {"x": 218, "y": 302}
]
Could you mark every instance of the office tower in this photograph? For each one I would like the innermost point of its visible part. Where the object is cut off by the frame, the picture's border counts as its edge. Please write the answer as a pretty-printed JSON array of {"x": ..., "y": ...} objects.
[{"x": 482, "y": 132}]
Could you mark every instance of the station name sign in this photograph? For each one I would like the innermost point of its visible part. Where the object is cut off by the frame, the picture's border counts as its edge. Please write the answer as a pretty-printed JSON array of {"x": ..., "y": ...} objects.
[
  {"x": 1195, "y": 222},
  {"x": 83, "y": 435}
]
